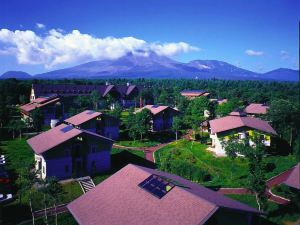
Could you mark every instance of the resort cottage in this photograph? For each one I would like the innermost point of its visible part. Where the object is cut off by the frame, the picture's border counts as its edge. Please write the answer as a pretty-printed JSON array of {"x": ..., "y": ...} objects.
[
  {"x": 50, "y": 107},
  {"x": 255, "y": 109},
  {"x": 293, "y": 179},
  {"x": 191, "y": 94},
  {"x": 125, "y": 95},
  {"x": 162, "y": 116},
  {"x": 65, "y": 152},
  {"x": 241, "y": 126},
  {"x": 139, "y": 195},
  {"x": 96, "y": 122}
]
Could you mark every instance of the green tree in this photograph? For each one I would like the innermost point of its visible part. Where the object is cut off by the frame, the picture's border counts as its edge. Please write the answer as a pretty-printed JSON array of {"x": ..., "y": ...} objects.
[
  {"x": 227, "y": 107},
  {"x": 55, "y": 192},
  {"x": 284, "y": 117},
  {"x": 12, "y": 127},
  {"x": 20, "y": 125},
  {"x": 22, "y": 99},
  {"x": 177, "y": 125},
  {"x": 163, "y": 98},
  {"x": 116, "y": 112},
  {"x": 194, "y": 114},
  {"x": 95, "y": 97},
  {"x": 37, "y": 119},
  {"x": 143, "y": 122},
  {"x": 256, "y": 165}
]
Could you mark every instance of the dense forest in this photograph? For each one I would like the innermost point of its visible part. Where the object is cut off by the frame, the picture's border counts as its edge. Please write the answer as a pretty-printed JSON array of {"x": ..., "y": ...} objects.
[{"x": 282, "y": 97}]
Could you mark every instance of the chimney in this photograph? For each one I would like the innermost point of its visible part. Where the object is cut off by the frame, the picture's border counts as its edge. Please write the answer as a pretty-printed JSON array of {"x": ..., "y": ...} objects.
[
  {"x": 106, "y": 83},
  {"x": 128, "y": 84}
]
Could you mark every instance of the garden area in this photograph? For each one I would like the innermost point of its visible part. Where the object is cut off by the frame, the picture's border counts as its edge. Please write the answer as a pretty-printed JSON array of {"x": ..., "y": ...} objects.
[
  {"x": 192, "y": 161},
  {"x": 188, "y": 159}
]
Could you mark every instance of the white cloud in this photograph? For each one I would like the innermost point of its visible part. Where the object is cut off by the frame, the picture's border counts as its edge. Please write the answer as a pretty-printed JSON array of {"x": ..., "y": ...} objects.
[
  {"x": 57, "y": 47},
  {"x": 254, "y": 53},
  {"x": 40, "y": 26}
]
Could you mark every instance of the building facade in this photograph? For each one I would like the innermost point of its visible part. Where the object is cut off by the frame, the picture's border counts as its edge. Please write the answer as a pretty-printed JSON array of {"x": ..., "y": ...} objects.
[
  {"x": 241, "y": 127},
  {"x": 65, "y": 152}
]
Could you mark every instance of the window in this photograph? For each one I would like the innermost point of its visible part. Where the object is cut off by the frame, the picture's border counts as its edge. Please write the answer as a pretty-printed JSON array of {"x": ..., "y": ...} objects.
[
  {"x": 43, "y": 169},
  {"x": 156, "y": 186}
]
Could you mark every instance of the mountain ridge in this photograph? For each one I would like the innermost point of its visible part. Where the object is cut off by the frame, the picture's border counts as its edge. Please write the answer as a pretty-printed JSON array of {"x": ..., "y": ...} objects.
[{"x": 151, "y": 65}]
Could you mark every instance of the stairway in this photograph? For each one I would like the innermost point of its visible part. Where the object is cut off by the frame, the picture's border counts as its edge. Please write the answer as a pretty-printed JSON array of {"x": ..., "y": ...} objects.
[{"x": 86, "y": 183}]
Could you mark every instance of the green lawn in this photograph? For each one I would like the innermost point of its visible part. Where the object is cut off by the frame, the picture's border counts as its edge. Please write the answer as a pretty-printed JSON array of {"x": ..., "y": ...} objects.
[
  {"x": 18, "y": 153},
  {"x": 137, "y": 143},
  {"x": 224, "y": 171}
]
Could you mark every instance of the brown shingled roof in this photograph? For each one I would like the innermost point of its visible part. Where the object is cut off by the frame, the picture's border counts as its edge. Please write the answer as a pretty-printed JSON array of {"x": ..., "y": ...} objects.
[
  {"x": 155, "y": 109},
  {"x": 294, "y": 178},
  {"x": 255, "y": 108},
  {"x": 232, "y": 122},
  {"x": 119, "y": 200},
  {"x": 53, "y": 137},
  {"x": 82, "y": 117},
  {"x": 38, "y": 103}
]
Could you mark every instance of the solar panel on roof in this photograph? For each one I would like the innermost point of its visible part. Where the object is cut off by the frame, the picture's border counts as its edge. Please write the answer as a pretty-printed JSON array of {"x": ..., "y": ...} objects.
[
  {"x": 67, "y": 128},
  {"x": 156, "y": 186},
  {"x": 155, "y": 106}
]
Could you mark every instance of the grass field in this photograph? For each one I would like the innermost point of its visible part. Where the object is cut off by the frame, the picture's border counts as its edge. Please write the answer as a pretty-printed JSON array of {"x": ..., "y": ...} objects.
[
  {"x": 224, "y": 171},
  {"x": 138, "y": 143}
]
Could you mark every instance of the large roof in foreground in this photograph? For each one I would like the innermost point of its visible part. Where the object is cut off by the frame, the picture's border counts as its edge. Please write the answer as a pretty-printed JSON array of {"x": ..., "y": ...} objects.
[
  {"x": 83, "y": 117},
  {"x": 120, "y": 200},
  {"x": 293, "y": 179},
  {"x": 232, "y": 122}
]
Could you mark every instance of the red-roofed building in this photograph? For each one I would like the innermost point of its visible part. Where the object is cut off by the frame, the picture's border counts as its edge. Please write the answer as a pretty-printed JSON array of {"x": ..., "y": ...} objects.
[
  {"x": 162, "y": 116},
  {"x": 65, "y": 151},
  {"x": 256, "y": 109},
  {"x": 96, "y": 122},
  {"x": 293, "y": 179},
  {"x": 143, "y": 196},
  {"x": 191, "y": 94},
  {"x": 240, "y": 126},
  {"x": 125, "y": 95},
  {"x": 50, "y": 106}
]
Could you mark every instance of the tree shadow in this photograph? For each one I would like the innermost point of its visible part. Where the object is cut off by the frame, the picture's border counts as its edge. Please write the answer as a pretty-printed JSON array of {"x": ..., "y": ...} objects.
[
  {"x": 15, "y": 213},
  {"x": 121, "y": 159},
  {"x": 280, "y": 147}
]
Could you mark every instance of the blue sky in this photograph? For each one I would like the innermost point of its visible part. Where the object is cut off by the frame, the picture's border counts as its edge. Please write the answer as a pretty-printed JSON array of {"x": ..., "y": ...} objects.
[{"x": 255, "y": 35}]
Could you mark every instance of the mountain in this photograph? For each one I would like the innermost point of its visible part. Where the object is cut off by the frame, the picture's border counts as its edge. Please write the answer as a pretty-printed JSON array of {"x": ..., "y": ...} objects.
[
  {"x": 16, "y": 74},
  {"x": 283, "y": 74},
  {"x": 151, "y": 65}
]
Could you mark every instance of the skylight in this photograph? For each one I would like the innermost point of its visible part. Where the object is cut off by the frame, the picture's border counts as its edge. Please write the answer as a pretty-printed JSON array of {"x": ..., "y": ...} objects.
[
  {"x": 156, "y": 186},
  {"x": 66, "y": 129}
]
